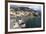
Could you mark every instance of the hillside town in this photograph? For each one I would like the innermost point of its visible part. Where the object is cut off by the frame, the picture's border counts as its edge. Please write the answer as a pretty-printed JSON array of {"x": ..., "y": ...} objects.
[{"x": 20, "y": 15}]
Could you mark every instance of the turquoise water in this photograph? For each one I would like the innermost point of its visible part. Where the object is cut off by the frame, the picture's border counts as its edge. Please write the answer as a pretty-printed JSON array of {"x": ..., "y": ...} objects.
[{"x": 34, "y": 22}]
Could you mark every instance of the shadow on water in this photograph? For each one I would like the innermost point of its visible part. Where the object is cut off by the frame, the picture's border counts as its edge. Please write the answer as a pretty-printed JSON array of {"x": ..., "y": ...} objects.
[{"x": 34, "y": 22}]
